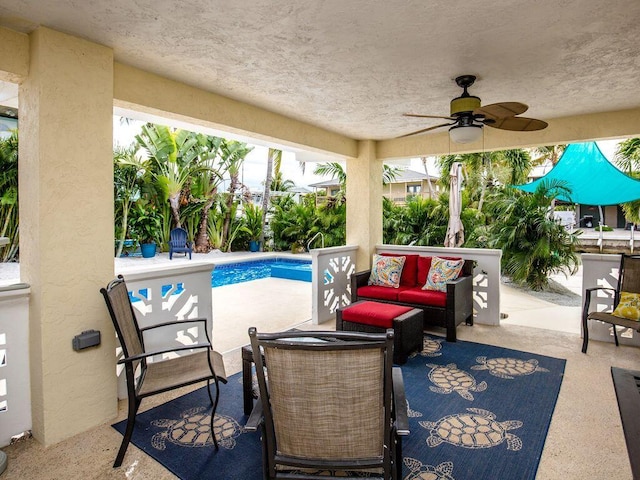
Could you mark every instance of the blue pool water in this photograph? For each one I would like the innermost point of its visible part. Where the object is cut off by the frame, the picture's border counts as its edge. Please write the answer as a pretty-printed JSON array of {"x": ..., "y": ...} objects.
[{"x": 246, "y": 271}]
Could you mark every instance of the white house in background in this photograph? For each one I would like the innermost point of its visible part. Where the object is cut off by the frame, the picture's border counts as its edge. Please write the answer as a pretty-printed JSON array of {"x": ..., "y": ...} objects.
[{"x": 407, "y": 184}]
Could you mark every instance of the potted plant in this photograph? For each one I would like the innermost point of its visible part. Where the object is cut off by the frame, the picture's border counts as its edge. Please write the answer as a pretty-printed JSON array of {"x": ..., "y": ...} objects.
[
  {"x": 253, "y": 225},
  {"x": 145, "y": 224}
]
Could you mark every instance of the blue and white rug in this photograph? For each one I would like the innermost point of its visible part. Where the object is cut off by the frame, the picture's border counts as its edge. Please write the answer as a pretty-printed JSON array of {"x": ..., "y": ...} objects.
[{"x": 476, "y": 412}]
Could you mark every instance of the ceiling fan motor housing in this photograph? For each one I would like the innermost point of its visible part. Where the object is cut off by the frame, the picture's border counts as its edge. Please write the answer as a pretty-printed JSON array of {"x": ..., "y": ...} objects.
[{"x": 464, "y": 104}]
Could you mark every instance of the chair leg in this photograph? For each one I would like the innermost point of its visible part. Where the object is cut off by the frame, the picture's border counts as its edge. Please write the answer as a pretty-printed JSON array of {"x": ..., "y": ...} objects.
[
  {"x": 134, "y": 403},
  {"x": 398, "y": 458},
  {"x": 214, "y": 404},
  {"x": 615, "y": 334},
  {"x": 585, "y": 334}
]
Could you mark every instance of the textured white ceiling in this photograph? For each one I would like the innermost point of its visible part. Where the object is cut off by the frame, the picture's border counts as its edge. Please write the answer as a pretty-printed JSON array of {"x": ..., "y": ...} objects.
[{"x": 354, "y": 66}]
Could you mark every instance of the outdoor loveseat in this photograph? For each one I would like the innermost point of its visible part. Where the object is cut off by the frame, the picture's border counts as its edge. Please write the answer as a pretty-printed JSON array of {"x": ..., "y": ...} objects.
[{"x": 442, "y": 309}]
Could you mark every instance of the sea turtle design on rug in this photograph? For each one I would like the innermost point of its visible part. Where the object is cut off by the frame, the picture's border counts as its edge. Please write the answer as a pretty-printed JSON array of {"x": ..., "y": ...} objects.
[
  {"x": 193, "y": 429},
  {"x": 508, "y": 367},
  {"x": 412, "y": 413},
  {"x": 449, "y": 378},
  {"x": 430, "y": 348},
  {"x": 477, "y": 429},
  {"x": 419, "y": 471}
]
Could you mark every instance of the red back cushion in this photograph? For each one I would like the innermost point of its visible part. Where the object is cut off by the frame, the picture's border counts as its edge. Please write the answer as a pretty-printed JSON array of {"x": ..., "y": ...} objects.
[{"x": 410, "y": 269}]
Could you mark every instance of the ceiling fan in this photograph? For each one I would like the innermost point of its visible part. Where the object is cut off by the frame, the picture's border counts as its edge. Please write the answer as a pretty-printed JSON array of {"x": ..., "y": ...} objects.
[{"x": 468, "y": 117}]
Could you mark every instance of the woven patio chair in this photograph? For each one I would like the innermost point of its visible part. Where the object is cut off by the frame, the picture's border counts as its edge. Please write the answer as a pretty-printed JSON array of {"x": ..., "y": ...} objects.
[
  {"x": 145, "y": 377},
  {"x": 330, "y": 403},
  {"x": 629, "y": 282}
]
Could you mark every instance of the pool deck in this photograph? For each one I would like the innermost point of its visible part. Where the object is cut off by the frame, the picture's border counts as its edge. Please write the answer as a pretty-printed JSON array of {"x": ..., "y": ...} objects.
[{"x": 269, "y": 304}]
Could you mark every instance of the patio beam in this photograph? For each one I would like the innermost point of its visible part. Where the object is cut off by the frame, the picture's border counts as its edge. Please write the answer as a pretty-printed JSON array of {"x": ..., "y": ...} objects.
[
  {"x": 582, "y": 128},
  {"x": 14, "y": 56},
  {"x": 141, "y": 91}
]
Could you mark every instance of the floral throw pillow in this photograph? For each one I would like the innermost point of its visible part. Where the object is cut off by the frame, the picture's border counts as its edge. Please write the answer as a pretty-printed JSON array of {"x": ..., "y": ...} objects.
[
  {"x": 386, "y": 271},
  {"x": 629, "y": 306},
  {"x": 442, "y": 271}
]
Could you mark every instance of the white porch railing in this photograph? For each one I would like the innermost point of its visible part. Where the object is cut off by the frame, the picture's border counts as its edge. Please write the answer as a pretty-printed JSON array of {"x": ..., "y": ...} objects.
[
  {"x": 333, "y": 266},
  {"x": 15, "y": 385},
  {"x": 330, "y": 281},
  {"x": 602, "y": 270},
  {"x": 486, "y": 275}
]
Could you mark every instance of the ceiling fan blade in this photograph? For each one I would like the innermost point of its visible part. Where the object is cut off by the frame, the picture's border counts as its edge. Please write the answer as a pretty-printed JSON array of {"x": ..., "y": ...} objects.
[
  {"x": 426, "y": 130},
  {"x": 501, "y": 110},
  {"x": 417, "y": 115},
  {"x": 518, "y": 124}
]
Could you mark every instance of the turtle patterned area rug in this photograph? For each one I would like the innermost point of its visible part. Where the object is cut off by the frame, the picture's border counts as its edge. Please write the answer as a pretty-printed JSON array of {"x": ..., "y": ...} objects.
[{"x": 476, "y": 412}]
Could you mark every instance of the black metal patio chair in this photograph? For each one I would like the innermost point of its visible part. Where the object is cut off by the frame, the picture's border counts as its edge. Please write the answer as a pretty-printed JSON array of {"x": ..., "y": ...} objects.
[
  {"x": 145, "y": 377},
  {"x": 628, "y": 282}
]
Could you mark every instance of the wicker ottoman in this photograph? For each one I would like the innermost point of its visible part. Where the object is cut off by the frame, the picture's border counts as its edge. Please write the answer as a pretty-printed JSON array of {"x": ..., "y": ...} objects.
[{"x": 377, "y": 317}]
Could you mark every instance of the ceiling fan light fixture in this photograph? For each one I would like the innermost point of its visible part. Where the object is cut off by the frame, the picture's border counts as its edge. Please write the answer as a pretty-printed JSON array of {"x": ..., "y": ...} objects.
[{"x": 465, "y": 133}]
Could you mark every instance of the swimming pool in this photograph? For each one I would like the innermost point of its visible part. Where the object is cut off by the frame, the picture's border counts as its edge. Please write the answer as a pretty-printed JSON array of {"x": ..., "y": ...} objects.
[{"x": 231, "y": 273}]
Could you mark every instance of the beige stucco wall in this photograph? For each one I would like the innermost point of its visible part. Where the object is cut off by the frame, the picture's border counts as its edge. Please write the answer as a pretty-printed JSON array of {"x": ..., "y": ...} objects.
[
  {"x": 364, "y": 202},
  {"x": 14, "y": 55},
  {"x": 66, "y": 230}
]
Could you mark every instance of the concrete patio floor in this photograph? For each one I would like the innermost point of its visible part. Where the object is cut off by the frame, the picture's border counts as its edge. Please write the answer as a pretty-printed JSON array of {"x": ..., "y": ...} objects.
[{"x": 585, "y": 438}]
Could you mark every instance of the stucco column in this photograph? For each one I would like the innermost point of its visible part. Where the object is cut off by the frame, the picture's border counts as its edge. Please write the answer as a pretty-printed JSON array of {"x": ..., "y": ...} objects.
[
  {"x": 66, "y": 230},
  {"x": 364, "y": 202}
]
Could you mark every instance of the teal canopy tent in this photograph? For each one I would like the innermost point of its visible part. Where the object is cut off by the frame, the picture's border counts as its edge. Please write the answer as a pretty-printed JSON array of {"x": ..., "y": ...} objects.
[{"x": 592, "y": 179}]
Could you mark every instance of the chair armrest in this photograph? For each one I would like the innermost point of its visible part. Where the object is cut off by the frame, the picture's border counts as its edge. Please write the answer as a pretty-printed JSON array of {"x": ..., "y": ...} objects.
[
  {"x": 587, "y": 297},
  {"x": 176, "y": 322},
  {"x": 400, "y": 402},
  {"x": 256, "y": 417},
  {"x": 459, "y": 290},
  {"x": 358, "y": 279},
  {"x": 180, "y": 322},
  {"x": 140, "y": 356}
]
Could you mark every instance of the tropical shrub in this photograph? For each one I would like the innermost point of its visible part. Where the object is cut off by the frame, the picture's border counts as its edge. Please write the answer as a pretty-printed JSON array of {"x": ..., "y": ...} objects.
[
  {"x": 533, "y": 244},
  {"x": 9, "y": 197}
]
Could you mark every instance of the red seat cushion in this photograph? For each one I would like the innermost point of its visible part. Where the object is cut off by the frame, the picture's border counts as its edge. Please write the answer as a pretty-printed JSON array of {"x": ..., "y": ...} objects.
[
  {"x": 374, "y": 313},
  {"x": 383, "y": 293},
  {"x": 423, "y": 297},
  {"x": 410, "y": 269}
]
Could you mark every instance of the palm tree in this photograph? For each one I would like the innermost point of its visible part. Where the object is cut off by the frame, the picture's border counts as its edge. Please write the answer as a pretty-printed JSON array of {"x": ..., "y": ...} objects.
[
  {"x": 426, "y": 171},
  {"x": 9, "y": 196},
  {"x": 128, "y": 169},
  {"x": 177, "y": 156},
  {"x": 488, "y": 169},
  {"x": 274, "y": 161},
  {"x": 533, "y": 244},
  {"x": 551, "y": 153},
  {"x": 279, "y": 184},
  {"x": 233, "y": 154},
  {"x": 627, "y": 158},
  {"x": 337, "y": 171},
  {"x": 204, "y": 186}
]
